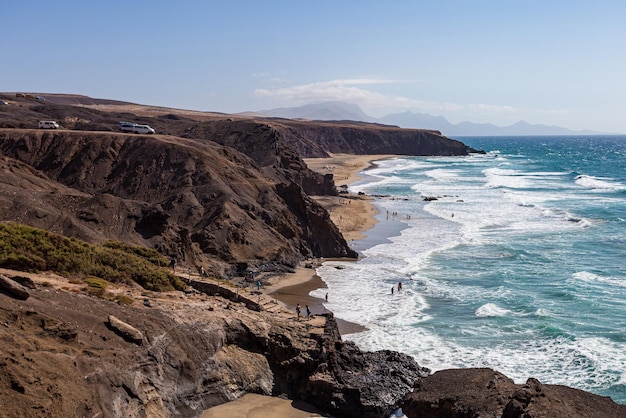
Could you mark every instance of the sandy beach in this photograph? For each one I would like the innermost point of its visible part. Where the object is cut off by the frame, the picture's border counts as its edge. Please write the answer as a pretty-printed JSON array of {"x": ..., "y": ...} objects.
[
  {"x": 258, "y": 406},
  {"x": 353, "y": 215}
]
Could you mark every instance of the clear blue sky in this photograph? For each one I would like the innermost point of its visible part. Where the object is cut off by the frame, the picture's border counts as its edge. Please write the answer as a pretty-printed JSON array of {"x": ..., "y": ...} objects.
[{"x": 552, "y": 62}]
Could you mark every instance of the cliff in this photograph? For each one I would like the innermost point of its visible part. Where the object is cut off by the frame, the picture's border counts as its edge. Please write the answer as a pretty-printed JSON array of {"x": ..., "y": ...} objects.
[
  {"x": 233, "y": 194},
  {"x": 65, "y": 354},
  {"x": 228, "y": 192},
  {"x": 192, "y": 199}
]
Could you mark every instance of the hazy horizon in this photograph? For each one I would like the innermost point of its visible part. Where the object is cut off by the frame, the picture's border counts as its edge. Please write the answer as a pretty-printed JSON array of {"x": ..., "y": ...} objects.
[{"x": 557, "y": 63}]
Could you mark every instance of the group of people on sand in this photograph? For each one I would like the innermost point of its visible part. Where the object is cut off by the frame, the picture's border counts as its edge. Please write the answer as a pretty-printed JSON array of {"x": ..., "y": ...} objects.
[{"x": 299, "y": 311}]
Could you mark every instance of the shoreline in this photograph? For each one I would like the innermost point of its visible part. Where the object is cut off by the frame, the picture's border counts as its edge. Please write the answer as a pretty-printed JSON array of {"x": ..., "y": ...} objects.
[
  {"x": 295, "y": 288},
  {"x": 353, "y": 214}
]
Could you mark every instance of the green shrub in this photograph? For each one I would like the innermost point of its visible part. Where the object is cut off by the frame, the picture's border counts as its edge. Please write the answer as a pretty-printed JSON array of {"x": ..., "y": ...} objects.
[
  {"x": 25, "y": 248},
  {"x": 97, "y": 283},
  {"x": 124, "y": 299}
]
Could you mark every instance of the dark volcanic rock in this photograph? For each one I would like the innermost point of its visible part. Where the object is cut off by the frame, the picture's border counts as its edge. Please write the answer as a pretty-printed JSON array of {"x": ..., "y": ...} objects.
[
  {"x": 338, "y": 377},
  {"x": 473, "y": 393}
]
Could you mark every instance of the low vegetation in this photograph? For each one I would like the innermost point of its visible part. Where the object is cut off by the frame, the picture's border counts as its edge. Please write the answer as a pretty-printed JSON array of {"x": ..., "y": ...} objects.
[{"x": 25, "y": 248}]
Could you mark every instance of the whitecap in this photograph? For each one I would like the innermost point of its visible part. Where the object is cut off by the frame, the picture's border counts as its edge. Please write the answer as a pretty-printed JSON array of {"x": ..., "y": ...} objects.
[
  {"x": 489, "y": 310},
  {"x": 592, "y": 279},
  {"x": 598, "y": 183}
]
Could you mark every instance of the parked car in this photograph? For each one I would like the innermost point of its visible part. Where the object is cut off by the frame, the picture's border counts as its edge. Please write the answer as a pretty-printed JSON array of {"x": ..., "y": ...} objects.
[
  {"x": 40, "y": 98},
  {"x": 2, "y": 103},
  {"x": 127, "y": 126},
  {"x": 48, "y": 124},
  {"x": 136, "y": 128},
  {"x": 143, "y": 129}
]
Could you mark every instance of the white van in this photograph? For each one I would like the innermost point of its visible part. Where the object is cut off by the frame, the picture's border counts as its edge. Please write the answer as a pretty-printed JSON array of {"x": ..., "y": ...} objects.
[
  {"x": 48, "y": 124},
  {"x": 143, "y": 129},
  {"x": 127, "y": 126}
]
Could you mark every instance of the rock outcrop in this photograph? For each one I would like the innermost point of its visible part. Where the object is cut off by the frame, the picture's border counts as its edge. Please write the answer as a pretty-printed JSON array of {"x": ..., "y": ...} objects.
[
  {"x": 339, "y": 378},
  {"x": 61, "y": 358},
  {"x": 13, "y": 288},
  {"x": 472, "y": 393},
  {"x": 126, "y": 331}
]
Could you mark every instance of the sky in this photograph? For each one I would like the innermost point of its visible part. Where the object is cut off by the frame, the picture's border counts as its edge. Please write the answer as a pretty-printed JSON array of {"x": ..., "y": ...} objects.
[{"x": 495, "y": 61}]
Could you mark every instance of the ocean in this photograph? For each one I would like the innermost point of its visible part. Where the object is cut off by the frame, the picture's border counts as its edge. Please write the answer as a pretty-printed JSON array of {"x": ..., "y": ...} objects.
[{"x": 516, "y": 261}]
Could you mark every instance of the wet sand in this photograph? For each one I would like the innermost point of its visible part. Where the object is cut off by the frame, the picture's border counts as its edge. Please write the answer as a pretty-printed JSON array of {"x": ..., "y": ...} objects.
[
  {"x": 354, "y": 215},
  {"x": 296, "y": 288},
  {"x": 258, "y": 406}
]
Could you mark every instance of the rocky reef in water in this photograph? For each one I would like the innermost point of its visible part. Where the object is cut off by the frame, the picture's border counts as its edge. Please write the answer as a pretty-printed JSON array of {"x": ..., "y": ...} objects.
[{"x": 473, "y": 393}]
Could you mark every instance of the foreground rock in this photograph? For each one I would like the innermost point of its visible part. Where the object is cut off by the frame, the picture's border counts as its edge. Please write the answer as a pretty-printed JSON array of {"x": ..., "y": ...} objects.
[
  {"x": 339, "y": 378},
  {"x": 68, "y": 354},
  {"x": 126, "y": 331},
  {"x": 469, "y": 393},
  {"x": 13, "y": 288}
]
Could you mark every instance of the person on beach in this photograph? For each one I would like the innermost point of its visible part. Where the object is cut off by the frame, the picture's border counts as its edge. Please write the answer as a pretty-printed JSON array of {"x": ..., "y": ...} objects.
[
  {"x": 308, "y": 311},
  {"x": 173, "y": 264},
  {"x": 399, "y": 287},
  {"x": 392, "y": 288},
  {"x": 298, "y": 311},
  {"x": 326, "y": 297}
]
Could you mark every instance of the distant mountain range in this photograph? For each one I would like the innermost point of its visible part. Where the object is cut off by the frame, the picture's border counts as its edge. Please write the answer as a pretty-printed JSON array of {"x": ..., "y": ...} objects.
[{"x": 350, "y": 111}]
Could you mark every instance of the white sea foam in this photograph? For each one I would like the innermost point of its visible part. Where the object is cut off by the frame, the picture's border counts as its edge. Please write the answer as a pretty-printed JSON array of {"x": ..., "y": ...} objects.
[
  {"x": 599, "y": 183},
  {"x": 541, "y": 312},
  {"x": 442, "y": 175},
  {"x": 585, "y": 363},
  {"x": 597, "y": 280},
  {"x": 481, "y": 266},
  {"x": 490, "y": 310}
]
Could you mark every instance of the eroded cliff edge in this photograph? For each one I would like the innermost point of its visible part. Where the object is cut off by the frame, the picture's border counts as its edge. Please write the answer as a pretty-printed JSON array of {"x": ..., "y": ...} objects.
[
  {"x": 64, "y": 357},
  {"x": 192, "y": 199}
]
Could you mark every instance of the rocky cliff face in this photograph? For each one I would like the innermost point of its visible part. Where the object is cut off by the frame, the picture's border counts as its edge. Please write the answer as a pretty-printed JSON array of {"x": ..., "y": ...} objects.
[
  {"x": 187, "y": 197},
  {"x": 64, "y": 357},
  {"x": 316, "y": 139}
]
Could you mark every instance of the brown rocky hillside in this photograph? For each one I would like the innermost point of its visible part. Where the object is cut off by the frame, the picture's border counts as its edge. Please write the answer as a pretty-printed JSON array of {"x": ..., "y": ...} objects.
[
  {"x": 188, "y": 198},
  {"x": 220, "y": 190}
]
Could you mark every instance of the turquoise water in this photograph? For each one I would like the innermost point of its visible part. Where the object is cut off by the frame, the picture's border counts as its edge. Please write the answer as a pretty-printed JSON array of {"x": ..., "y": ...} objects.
[{"x": 518, "y": 265}]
